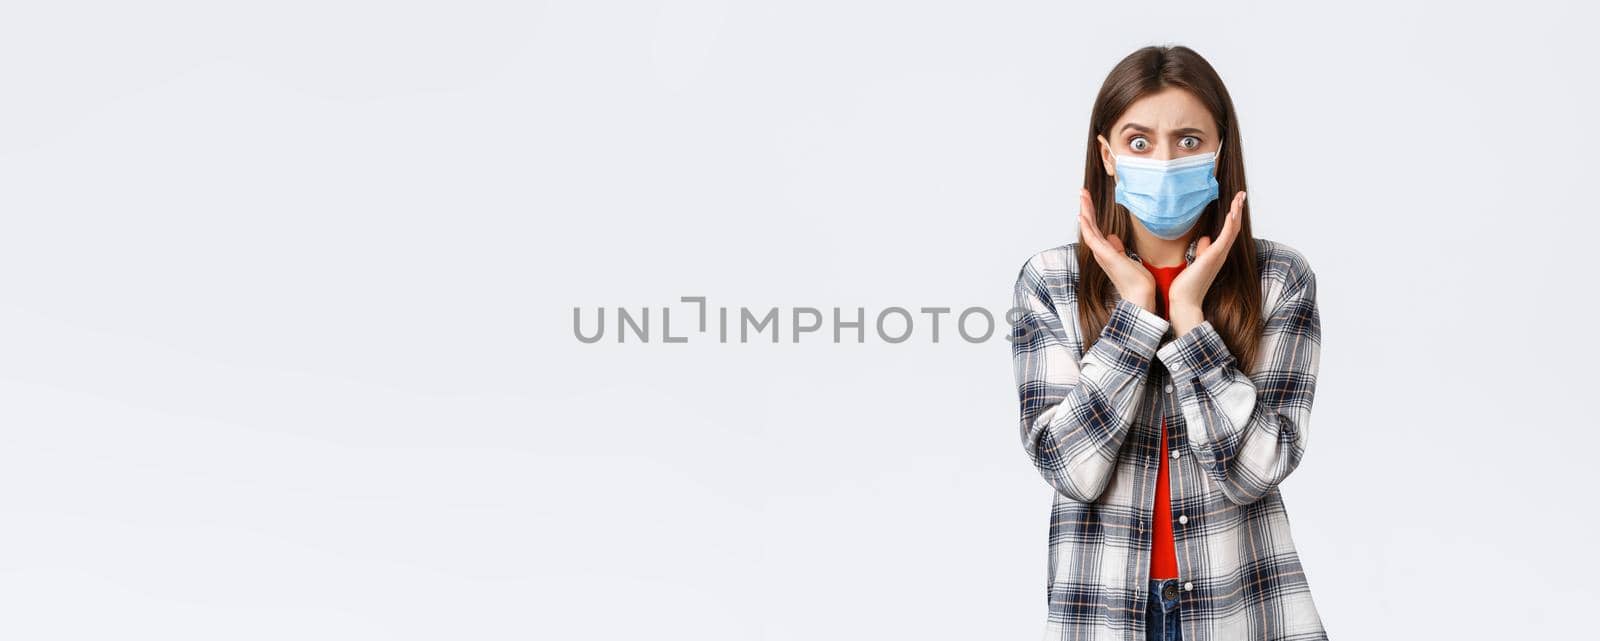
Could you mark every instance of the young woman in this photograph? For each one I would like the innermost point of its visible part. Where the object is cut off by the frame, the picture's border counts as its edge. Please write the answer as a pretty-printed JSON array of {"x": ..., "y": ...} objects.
[{"x": 1166, "y": 364}]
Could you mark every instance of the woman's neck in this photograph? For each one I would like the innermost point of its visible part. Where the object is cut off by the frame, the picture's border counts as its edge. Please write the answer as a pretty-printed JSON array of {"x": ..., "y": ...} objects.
[{"x": 1160, "y": 252}]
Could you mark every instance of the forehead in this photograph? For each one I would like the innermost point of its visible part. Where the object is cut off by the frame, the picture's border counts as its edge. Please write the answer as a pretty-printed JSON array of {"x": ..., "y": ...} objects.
[{"x": 1167, "y": 109}]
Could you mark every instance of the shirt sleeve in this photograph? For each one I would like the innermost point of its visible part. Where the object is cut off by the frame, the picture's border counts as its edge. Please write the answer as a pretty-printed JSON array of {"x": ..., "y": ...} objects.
[
  {"x": 1250, "y": 432},
  {"x": 1076, "y": 413}
]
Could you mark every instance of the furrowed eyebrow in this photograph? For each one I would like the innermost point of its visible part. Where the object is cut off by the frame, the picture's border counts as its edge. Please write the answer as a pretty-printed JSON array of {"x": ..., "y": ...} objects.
[{"x": 1176, "y": 132}]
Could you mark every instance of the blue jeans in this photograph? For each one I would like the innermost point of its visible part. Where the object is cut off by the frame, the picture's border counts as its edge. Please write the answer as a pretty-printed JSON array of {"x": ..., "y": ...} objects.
[{"x": 1161, "y": 611}]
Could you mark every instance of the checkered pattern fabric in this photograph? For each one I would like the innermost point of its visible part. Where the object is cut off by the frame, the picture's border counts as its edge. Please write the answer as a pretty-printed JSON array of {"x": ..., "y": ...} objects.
[{"x": 1090, "y": 424}]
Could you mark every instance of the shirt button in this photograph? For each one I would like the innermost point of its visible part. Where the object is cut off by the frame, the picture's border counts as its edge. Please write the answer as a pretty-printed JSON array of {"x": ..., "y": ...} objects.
[
  {"x": 1188, "y": 585},
  {"x": 1183, "y": 518},
  {"x": 1175, "y": 454},
  {"x": 1169, "y": 388}
]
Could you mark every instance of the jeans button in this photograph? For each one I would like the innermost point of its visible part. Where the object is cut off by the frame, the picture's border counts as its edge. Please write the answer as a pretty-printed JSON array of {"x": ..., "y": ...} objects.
[{"x": 1170, "y": 590}]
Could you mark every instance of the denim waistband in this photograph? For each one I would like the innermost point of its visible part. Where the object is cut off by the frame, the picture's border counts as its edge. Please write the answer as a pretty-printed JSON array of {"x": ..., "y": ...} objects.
[{"x": 1159, "y": 586}]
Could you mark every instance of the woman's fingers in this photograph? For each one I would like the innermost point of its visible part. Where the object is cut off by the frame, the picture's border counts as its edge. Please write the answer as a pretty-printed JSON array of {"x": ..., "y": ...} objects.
[
  {"x": 1230, "y": 226},
  {"x": 1204, "y": 252},
  {"x": 1115, "y": 243},
  {"x": 1097, "y": 241},
  {"x": 1084, "y": 230},
  {"x": 1086, "y": 210}
]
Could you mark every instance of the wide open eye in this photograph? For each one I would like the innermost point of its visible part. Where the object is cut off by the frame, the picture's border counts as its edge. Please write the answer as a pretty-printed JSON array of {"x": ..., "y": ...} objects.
[
  {"x": 1188, "y": 142},
  {"x": 1139, "y": 143}
]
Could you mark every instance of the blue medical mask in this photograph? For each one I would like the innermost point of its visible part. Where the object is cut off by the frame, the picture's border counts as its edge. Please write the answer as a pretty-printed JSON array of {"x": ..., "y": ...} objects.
[{"x": 1168, "y": 196}]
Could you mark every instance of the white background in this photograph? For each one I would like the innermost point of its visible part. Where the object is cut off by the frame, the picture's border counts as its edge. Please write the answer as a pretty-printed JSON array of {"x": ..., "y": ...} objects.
[{"x": 286, "y": 295}]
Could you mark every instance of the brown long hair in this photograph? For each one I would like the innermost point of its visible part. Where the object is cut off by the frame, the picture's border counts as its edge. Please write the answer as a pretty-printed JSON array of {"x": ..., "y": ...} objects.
[{"x": 1233, "y": 303}]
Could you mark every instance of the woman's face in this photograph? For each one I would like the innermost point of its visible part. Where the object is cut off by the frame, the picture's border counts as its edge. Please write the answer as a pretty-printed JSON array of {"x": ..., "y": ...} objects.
[{"x": 1171, "y": 123}]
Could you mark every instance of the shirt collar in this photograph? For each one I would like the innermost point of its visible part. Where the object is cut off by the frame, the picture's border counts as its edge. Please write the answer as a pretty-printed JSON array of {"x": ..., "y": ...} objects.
[{"x": 1188, "y": 253}]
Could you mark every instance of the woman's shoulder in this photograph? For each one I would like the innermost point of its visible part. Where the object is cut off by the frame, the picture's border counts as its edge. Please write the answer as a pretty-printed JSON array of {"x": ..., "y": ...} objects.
[
  {"x": 1058, "y": 258},
  {"x": 1281, "y": 262},
  {"x": 1053, "y": 268}
]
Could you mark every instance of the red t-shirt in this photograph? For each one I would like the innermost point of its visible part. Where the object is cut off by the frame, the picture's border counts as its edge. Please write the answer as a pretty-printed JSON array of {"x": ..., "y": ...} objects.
[{"x": 1163, "y": 552}]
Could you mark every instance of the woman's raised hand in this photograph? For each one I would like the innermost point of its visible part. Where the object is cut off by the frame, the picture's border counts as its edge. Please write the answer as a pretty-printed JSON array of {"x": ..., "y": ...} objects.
[
  {"x": 1188, "y": 289},
  {"x": 1133, "y": 282}
]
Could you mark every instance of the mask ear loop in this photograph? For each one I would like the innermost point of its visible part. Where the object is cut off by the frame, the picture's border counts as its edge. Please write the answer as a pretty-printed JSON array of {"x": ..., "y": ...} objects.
[
  {"x": 1111, "y": 150},
  {"x": 1217, "y": 164}
]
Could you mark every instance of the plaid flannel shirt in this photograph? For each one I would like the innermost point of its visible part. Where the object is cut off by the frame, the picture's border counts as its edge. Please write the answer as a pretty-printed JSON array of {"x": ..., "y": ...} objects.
[{"x": 1090, "y": 423}]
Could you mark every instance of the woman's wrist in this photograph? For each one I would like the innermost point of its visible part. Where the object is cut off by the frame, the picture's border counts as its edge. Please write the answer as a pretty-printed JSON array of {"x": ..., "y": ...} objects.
[
  {"x": 1185, "y": 317},
  {"x": 1146, "y": 300}
]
